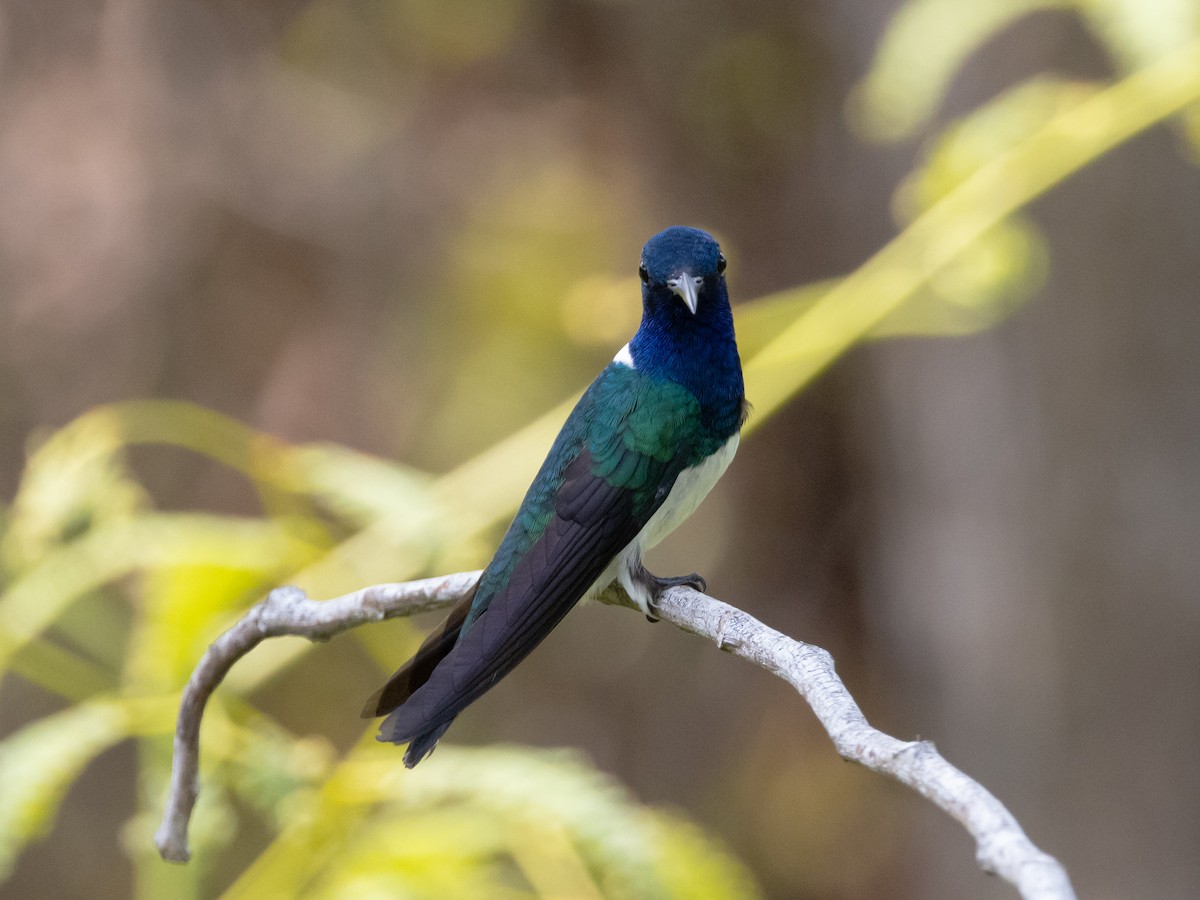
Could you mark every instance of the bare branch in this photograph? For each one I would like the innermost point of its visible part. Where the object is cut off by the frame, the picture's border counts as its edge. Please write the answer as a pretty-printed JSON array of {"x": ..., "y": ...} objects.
[
  {"x": 286, "y": 610},
  {"x": 1002, "y": 847}
]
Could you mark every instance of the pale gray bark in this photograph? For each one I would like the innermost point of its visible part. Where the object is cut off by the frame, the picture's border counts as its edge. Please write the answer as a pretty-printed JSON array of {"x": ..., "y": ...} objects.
[{"x": 1001, "y": 845}]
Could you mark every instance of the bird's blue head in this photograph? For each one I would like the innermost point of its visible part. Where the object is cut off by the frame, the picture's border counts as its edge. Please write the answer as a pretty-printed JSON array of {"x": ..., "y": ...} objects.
[
  {"x": 686, "y": 333},
  {"x": 680, "y": 263}
]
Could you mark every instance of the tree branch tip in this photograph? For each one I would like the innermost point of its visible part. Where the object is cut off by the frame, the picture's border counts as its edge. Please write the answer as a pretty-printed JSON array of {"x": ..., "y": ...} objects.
[
  {"x": 179, "y": 858},
  {"x": 171, "y": 850}
]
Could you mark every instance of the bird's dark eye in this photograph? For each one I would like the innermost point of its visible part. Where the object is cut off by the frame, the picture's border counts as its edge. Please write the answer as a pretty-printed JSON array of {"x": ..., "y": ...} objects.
[
  {"x": 643, "y": 274},
  {"x": 721, "y": 263}
]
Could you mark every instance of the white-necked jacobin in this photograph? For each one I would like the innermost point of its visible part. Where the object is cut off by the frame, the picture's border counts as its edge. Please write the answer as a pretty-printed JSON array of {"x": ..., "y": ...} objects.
[{"x": 640, "y": 450}]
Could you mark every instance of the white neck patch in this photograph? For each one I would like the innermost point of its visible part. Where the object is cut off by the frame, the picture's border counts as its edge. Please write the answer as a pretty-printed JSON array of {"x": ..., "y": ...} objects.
[{"x": 624, "y": 357}]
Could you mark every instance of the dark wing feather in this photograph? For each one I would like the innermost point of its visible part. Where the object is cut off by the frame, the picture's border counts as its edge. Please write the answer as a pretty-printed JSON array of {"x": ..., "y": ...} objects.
[
  {"x": 417, "y": 670},
  {"x": 593, "y": 521}
]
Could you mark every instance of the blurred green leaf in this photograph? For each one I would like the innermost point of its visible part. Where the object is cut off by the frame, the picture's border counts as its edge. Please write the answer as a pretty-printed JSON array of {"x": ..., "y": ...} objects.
[
  {"x": 358, "y": 488},
  {"x": 928, "y": 41},
  {"x": 42, "y": 760},
  {"x": 74, "y": 481},
  {"x": 984, "y": 135},
  {"x": 182, "y": 608},
  {"x": 549, "y": 788},
  {"x": 693, "y": 865},
  {"x": 267, "y": 766},
  {"x": 541, "y": 226},
  {"x": 143, "y": 543},
  {"x": 566, "y": 828},
  {"x": 60, "y": 671},
  {"x": 1071, "y": 139},
  {"x": 452, "y": 851},
  {"x": 452, "y": 32},
  {"x": 1138, "y": 32},
  {"x": 922, "y": 50}
]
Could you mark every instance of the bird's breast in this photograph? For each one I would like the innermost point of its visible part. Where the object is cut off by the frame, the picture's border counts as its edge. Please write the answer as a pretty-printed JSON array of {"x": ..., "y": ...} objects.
[{"x": 692, "y": 486}]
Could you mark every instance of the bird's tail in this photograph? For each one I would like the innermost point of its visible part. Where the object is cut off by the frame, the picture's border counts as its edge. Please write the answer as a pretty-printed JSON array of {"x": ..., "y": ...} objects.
[
  {"x": 422, "y": 745},
  {"x": 411, "y": 676}
]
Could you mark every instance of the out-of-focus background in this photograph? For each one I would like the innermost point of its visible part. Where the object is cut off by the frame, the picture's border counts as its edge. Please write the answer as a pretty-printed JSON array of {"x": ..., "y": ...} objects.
[{"x": 283, "y": 286}]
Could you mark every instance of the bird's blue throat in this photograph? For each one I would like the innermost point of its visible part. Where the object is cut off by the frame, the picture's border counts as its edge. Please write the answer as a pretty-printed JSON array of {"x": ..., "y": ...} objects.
[{"x": 695, "y": 349}]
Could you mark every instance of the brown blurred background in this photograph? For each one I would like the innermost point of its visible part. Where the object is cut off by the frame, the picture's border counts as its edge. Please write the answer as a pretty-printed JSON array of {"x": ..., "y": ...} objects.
[{"x": 374, "y": 222}]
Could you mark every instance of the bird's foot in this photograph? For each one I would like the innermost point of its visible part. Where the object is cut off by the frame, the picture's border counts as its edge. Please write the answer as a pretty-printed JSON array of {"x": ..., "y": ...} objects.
[{"x": 655, "y": 586}]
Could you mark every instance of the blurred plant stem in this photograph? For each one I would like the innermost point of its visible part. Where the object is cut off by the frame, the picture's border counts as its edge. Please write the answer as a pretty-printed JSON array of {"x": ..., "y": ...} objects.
[{"x": 1071, "y": 140}]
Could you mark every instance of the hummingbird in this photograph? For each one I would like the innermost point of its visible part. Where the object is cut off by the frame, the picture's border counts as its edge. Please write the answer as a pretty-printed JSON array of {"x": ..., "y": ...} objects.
[{"x": 643, "y": 446}]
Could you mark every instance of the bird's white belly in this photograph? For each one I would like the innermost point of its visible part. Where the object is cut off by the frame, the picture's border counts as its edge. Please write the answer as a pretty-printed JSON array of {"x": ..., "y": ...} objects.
[{"x": 691, "y": 487}]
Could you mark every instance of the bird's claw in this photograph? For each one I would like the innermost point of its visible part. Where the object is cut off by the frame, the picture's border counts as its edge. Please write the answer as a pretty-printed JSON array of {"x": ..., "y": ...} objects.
[
  {"x": 695, "y": 581},
  {"x": 658, "y": 585}
]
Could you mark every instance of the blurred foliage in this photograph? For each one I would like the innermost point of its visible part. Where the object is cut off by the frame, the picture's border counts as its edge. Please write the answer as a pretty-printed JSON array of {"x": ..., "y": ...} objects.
[
  {"x": 931, "y": 39},
  {"x": 38, "y": 765},
  {"x": 497, "y": 822}
]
